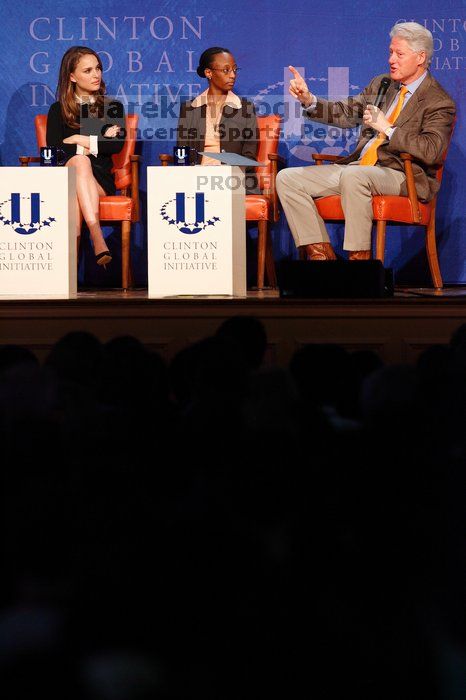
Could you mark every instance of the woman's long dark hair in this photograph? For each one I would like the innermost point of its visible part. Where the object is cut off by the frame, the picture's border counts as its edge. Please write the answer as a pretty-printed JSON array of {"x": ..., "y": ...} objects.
[{"x": 66, "y": 90}]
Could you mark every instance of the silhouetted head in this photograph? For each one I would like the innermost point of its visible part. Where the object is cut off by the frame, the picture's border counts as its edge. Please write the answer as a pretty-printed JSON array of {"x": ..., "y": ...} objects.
[
  {"x": 248, "y": 335},
  {"x": 76, "y": 357},
  {"x": 12, "y": 355}
]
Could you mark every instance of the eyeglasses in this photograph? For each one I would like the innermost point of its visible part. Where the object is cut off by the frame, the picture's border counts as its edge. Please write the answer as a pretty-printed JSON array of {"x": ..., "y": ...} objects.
[{"x": 226, "y": 71}]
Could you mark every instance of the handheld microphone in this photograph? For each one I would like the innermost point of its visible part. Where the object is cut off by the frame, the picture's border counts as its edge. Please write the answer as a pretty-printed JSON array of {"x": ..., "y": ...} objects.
[{"x": 384, "y": 85}]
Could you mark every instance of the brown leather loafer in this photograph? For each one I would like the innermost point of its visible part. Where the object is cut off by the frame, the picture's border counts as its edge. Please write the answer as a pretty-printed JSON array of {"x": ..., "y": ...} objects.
[
  {"x": 359, "y": 255},
  {"x": 320, "y": 251}
]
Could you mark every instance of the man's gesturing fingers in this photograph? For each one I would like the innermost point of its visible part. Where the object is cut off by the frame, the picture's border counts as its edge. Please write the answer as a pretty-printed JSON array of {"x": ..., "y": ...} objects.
[{"x": 297, "y": 83}]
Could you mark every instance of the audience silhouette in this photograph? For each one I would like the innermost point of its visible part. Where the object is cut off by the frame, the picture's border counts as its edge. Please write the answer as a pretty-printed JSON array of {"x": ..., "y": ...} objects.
[{"x": 218, "y": 526}]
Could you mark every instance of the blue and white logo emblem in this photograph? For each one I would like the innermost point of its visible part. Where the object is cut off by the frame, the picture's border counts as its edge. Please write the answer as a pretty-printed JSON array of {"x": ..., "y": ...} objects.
[
  {"x": 25, "y": 213},
  {"x": 188, "y": 213}
]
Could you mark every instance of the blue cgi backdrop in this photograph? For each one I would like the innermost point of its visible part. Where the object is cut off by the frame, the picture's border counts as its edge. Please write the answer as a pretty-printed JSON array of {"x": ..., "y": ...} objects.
[{"x": 150, "y": 50}]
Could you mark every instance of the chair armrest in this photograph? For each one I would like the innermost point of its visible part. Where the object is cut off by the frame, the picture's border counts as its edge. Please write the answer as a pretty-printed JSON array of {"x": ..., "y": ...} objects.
[
  {"x": 275, "y": 156},
  {"x": 411, "y": 187},
  {"x": 271, "y": 191},
  {"x": 135, "y": 160},
  {"x": 25, "y": 160},
  {"x": 165, "y": 158},
  {"x": 319, "y": 157}
]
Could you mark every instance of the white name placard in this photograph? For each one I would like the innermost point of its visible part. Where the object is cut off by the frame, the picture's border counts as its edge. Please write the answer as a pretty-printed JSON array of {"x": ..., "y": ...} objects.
[
  {"x": 196, "y": 231},
  {"x": 38, "y": 232}
]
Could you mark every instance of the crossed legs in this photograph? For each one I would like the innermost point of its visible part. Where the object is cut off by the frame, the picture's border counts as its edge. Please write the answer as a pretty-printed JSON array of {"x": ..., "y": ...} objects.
[
  {"x": 88, "y": 191},
  {"x": 298, "y": 187}
]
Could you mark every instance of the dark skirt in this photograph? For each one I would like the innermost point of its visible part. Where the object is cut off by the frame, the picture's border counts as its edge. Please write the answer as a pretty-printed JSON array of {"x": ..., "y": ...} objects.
[{"x": 101, "y": 169}]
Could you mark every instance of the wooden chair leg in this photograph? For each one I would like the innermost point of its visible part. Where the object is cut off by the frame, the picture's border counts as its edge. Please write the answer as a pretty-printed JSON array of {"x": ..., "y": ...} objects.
[
  {"x": 125, "y": 254},
  {"x": 431, "y": 249},
  {"x": 380, "y": 240},
  {"x": 269, "y": 261},
  {"x": 261, "y": 249}
]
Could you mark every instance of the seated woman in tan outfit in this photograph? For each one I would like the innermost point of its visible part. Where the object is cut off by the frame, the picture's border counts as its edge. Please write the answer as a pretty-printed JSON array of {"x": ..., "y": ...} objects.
[{"x": 217, "y": 119}]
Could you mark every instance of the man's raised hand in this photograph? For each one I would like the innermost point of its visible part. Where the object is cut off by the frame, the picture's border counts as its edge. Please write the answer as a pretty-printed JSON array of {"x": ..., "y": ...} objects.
[{"x": 299, "y": 89}]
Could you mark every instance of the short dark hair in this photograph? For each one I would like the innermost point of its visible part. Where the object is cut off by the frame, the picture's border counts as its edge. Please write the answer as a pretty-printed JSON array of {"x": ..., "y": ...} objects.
[{"x": 206, "y": 59}]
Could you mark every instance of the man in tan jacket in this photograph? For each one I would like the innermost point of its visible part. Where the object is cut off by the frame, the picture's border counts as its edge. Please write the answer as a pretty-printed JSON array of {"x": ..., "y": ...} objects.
[{"x": 415, "y": 116}]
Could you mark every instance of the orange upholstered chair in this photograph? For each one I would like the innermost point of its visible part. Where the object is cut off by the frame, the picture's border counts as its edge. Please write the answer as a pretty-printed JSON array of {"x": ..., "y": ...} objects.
[
  {"x": 123, "y": 207},
  {"x": 263, "y": 207},
  {"x": 406, "y": 210}
]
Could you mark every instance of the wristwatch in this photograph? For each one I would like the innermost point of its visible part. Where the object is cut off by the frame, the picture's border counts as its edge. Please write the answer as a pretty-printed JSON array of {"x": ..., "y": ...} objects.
[{"x": 389, "y": 131}]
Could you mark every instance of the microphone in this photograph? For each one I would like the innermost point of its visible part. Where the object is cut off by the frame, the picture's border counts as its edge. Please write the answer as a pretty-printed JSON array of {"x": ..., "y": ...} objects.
[{"x": 384, "y": 85}]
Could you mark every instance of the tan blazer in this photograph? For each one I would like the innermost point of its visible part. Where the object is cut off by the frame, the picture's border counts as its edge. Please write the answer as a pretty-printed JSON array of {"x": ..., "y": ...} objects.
[{"x": 422, "y": 129}]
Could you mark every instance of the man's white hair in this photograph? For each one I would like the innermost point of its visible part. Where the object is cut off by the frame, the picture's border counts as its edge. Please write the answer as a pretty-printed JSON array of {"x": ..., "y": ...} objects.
[{"x": 418, "y": 37}]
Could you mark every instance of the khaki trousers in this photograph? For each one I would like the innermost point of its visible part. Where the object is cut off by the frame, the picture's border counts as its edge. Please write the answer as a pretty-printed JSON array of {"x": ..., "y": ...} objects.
[{"x": 297, "y": 188}]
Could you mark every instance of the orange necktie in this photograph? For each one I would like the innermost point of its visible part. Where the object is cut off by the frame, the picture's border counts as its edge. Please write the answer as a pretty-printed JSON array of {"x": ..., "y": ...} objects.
[{"x": 370, "y": 156}]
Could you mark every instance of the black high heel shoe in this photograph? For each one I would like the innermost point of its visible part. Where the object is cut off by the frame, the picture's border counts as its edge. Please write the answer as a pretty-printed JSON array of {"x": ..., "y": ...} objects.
[{"x": 104, "y": 258}]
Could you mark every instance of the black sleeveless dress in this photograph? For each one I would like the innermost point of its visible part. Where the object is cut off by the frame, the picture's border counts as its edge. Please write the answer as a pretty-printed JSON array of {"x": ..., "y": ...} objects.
[{"x": 102, "y": 164}]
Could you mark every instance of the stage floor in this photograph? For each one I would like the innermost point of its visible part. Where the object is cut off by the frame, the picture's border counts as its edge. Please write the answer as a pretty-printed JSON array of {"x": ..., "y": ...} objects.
[{"x": 398, "y": 327}]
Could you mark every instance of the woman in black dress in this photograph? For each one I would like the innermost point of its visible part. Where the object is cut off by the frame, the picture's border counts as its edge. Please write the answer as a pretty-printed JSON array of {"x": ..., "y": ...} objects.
[{"x": 87, "y": 127}]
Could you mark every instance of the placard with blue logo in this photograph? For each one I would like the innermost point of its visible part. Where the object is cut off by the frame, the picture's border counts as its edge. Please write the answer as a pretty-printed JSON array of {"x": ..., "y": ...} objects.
[
  {"x": 196, "y": 231},
  {"x": 37, "y": 232}
]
